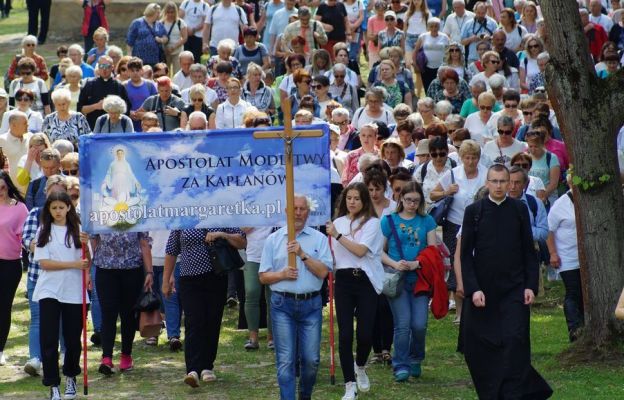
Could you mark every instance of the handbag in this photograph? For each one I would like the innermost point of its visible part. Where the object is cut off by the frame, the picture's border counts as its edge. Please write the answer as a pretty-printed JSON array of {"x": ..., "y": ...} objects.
[
  {"x": 393, "y": 280},
  {"x": 440, "y": 209},
  {"x": 224, "y": 257},
  {"x": 161, "y": 49},
  {"x": 420, "y": 60},
  {"x": 150, "y": 323}
]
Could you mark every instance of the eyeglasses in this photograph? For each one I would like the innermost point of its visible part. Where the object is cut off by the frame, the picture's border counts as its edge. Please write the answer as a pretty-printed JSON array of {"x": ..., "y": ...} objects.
[
  {"x": 339, "y": 76},
  {"x": 409, "y": 200},
  {"x": 29, "y": 45},
  {"x": 440, "y": 154},
  {"x": 511, "y": 105},
  {"x": 315, "y": 86},
  {"x": 505, "y": 132},
  {"x": 343, "y": 123},
  {"x": 71, "y": 172},
  {"x": 497, "y": 182},
  {"x": 387, "y": 19},
  {"x": 26, "y": 73},
  {"x": 454, "y": 51},
  {"x": 522, "y": 165},
  {"x": 494, "y": 61},
  {"x": 534, "y": 46},
  {"x": 105, "y": 66},
  {"x": 485, "y": 108},
  {"x": 23, "y": 98},
  {"x": 295, "y": 66},
  {"x": 198, "y": 100}
]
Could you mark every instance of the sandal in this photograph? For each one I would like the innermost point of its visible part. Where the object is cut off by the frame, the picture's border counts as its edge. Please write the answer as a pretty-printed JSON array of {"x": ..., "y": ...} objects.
[
  {"x": 387, "y": 358},
  {"x": 151, "y": 341},
  {"x": 251, "y": 345}
]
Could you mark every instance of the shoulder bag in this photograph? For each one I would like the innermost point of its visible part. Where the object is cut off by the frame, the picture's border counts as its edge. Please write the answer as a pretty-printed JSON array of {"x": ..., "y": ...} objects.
[
  {"x": 440, "y": 209},
  {"x": 393, "y": 280},
  {"x": 224, "y": 257}
]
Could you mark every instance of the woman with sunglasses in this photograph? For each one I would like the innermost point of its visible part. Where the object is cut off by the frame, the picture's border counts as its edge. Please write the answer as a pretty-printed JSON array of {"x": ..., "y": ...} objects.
[
  {"x": 24, "y": 98},
  {"x": 69, "y": 165},
  {"x": 491, "y": 62},
  {"x": 37, "y": 86},
  {"x": 535, "y": 187},
  {"x": 29, "y": 45},
  {"x": 429, "y": 173},
  {"x": 454, "y": 58},
  {"x": 476, "y": 122},
  {"x": 528, "y": 61},
  {"x": 303, "y": 88},
  {"x": 197, "y": 95},
  {"x": 504, "y": 146},
  {"x": 391, "y": 35},
  {"x": 415, "y": 230},
  {"x": 64, "y": 123}
]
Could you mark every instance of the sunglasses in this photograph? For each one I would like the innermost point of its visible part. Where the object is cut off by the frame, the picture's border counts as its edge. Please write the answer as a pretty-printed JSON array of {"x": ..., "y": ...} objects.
[
  {"x": 494, "y": 61},
  {"x": 198, "y": 100},
  {"x": 511, "y": 105},
  {"x": 339, "y": 76},
  {"x": 26, "y": 73},
  {"x": 23, "y": 98},
  {"x": 315, "y": 86},
  {"x": 505, "y": 132},
  {"x": 440, "y": 154},
  {"x": 522, "y": 165},
  {"x": 527, "y": 112},
  {"x": 485, "y": 108},
  {"x": 534, "y": 46},
  {"x": 71, "y": 172},
  {"x": 539, "y": 91},
  {"x": 454, "y": 51},
  {"x": 389, "y": 19}
]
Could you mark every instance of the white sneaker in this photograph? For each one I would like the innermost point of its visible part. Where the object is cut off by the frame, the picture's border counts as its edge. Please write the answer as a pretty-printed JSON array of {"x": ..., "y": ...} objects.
[
  {"x": 192, "y": 379},
  {"x": 33, "y": 367},
  {"x": 363, "y": 384},
  {"x": 350, "y": 391},
  {"x": 55, "y": 393},
  {"x": 452, "y": 305},
  {"x": 61, "y": 359},
  {"x": 2, "y": 359},
  {"x": 70, "y": 388},
  {"x": 208, "y": 375}
]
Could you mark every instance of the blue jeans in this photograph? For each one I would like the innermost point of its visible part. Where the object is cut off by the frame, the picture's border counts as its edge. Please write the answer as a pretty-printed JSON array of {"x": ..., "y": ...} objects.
[
  {"x": 410, "y": 41},
  {"x": 96, "y": 311},
  {"x": 34, "y": 345},
  {"x": 355, "y": 46},
  {"x": 172, "y": 307},
  {"x": 410, "y": 315},
  {"x": 297, "y": 335}
]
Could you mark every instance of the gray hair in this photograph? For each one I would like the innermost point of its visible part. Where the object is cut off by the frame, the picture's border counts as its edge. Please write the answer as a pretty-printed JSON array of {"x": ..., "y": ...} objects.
[
  {"x": 61, "y": 94},
  {"x": 583, "y": 11},
  {"x": 253, "y": 67},
  {"x": 227, "y": 44},
  {"x": 478, "y": 84},
  {"x": 63, "y": 146},
  {"x": 74, "y": 69},
  {"x": 55, "y": 180},
  {"x": 455, "y": 120},
  {"x": 379, "y": 92},
  {"x": 367, "y": 159},
  {"x": 340, "y": 112},
  {"x": 496, "y": 81},
  {"x": 114, "y": 104},
  {"x": 195, "y": 117},
  {"x": 187, "y": 54},
  {"x": 197, "y": 88},
  {"x": 29, "y": 39},
  {"x": 199, "y": 68},
  {"x": 505, "y": 120},
  {"x": 426, "y": 102},
  {"x": 416, "y": 120},
  {"x": 519, "y": 170},
  {"x": 307, "y": 200},
  {"x": 543, "y": 56},
  {"x": 443, "y": 107},
  {"x": 114, "y": 50},
  {"x": 16, "y": 115},
  {"x": 462, "y": 2},
  {"x": 339, "y": 67},
  {"x": 77, "y": 47}
]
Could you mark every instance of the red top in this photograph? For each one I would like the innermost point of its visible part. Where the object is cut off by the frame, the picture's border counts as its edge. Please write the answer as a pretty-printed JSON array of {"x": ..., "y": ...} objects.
[
  {"x": 40, "y": 72},
  {"x": 431, "y": 280}
]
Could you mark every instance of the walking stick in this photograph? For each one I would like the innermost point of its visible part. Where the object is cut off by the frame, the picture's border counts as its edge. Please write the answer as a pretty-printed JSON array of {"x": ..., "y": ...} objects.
[
  {"x": 330, "y": 285},
  {"x": 85, "y": 378}
]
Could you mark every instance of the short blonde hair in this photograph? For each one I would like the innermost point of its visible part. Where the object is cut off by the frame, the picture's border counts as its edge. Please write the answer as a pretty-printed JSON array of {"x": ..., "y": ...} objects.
[
  {"x": 486, "y": 97},
  {"x": 39, "y": 139},
  {"x": 72, "y": 182},
  {"x": 101, "y": 31},
  {"x": 74, "y": 70},
  {"x": 253, "y": 67},
  {"x": 70, "y": 160},
  {"x": 151, "y": 9},
  {"x": 55, "y": 180},
  {"x": 197, "y": 88},
  {"x": 469, "y": 146}
]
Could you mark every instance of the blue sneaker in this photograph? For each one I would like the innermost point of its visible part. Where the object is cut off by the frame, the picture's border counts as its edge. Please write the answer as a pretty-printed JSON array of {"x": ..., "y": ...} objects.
[
  {"x": 401, "y": 376},
  {"x": 415, "y": 370}
]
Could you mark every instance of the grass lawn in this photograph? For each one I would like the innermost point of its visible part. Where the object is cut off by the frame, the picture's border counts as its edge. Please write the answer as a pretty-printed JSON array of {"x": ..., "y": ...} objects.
[{"x": 158, "y": 373}]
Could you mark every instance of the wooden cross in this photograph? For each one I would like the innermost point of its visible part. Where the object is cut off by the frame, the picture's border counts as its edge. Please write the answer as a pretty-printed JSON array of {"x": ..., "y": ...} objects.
[{"x": 288, "y": 135}]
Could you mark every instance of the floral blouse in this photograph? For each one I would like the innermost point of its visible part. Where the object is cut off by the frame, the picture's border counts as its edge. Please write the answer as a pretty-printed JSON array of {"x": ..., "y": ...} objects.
[
  {"x": 71, "y": 129},
  {"x": 120, "y": 250}
]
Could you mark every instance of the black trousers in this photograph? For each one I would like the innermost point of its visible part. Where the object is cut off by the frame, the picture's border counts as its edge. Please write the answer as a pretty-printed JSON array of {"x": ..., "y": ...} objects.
[
  {"x": 10, "y": 275},
  {"x": 203, "y": 299},
  {"x": 573, "y": 302},
  {"x": 354, "y": 297},
  {"x": 194, "y": 45},
  {"x": 383, "y": 331},
  {"x": 52, "y": 312},
  {"x": 36, "y": 7},
  {"x": 449, "y": 237},
  {"x": 118, "y": 291},
  {"x": 428, "y": 76}
]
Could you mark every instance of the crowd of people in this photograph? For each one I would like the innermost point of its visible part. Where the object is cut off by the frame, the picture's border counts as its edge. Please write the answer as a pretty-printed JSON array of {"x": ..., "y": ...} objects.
[{"x": 453, "y": 120}]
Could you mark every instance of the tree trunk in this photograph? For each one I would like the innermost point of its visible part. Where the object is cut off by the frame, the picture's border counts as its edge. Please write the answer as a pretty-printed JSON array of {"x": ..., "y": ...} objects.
[{"x": 590, "y": 112}]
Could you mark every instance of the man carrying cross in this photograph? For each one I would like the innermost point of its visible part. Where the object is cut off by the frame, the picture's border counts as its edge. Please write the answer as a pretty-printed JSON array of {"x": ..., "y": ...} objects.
[{"x": 296, "y": 304}]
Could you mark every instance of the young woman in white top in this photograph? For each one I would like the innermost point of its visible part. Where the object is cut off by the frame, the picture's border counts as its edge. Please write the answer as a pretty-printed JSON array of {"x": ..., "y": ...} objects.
[
  {"x": 59, "y": 290},
  {"x": 230, "y": 113},
  {"x": 415, "y": 25},
  {"x": 357, "y": 243}
]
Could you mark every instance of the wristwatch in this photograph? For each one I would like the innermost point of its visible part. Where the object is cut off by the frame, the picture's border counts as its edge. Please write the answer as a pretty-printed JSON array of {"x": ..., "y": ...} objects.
[{"x": 305, "y": 257}]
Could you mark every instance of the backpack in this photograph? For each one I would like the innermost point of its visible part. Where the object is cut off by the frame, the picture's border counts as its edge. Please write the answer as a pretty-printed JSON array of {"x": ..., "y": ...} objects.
[
  {"x": 423, "y": 170},
  {"x": 238, "y": 10},
  {"x": 100, "y": 125}
]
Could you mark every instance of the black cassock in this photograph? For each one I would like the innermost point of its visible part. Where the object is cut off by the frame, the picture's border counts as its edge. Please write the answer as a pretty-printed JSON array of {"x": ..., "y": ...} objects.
[{"x": 498, "y": 257}]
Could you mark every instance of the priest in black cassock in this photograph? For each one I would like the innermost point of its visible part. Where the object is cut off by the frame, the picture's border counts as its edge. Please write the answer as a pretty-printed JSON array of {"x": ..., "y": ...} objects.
[{"x": 500, "y": 274}]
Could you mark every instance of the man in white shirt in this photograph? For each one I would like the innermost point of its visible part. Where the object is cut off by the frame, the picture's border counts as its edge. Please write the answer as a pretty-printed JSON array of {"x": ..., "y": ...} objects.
[
  {"x": 224, "y": 21},
  {"x": 597, "y": 17},
  {"x": 182, "y": 78},
  {"x": 455, "y": 22},
  {"x": 194, "y": 13},
  {"x": 14, "y": 144},
  {"x": 198, "y": 74}
]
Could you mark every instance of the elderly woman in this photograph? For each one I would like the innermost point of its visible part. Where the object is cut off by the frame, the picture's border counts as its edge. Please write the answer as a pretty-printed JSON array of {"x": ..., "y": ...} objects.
[
  {"x": 164, "y": 104},
  {"x": 225, "y": 50},
  {"x": 303, "y": 81},
  {"x": 504, "y": 146},
  {"x": 429, "y": 173},
  {"x": 256, "y": 92},
  {"x": 115, "y": 120},
  {"x": 454, "y": 58},
  {"x": 425, "y": 107},
  {"x": 116, "y": 54},
  {"x": 197, "y": 99},
  {"x": 251, "y": 51},
  {"x": 28, "y": 167},
  {"x": 391, "y": 35},
  {"x": 230, "y": 113},
  {"x": 69, "y": 164},
  {"x": 146, "y": 36},
  {"x": 476, "y": 66},
  {"x": 123, "y": 263},
  {"x": 64, "y": 123},
  {"x": 393, "y": 154},
  {"x": 434, "y": 43},
  {"x": 73, "y": 84},
  {"x": 37, "y": 86},
  {"x": 491, "y": 62},
  {"x": 24, "y": 98},
  {"x": 461, "y": 182},
  {"x": 545, "y": 165},
  {"x": 341, "y": 90},
  {"x": 450, "y": 82},
  {"x": 202, "y": 294},
  {"x": 29, "y": 45},
  {"x": 528, "y": 61},
  {"x": 398, "y": 92},
  {"x": 443, "y": 109},
  {"x": 374, "y": 109},
  {"x": 476, "y": 122},
  {"x": 368, "y": 134}
]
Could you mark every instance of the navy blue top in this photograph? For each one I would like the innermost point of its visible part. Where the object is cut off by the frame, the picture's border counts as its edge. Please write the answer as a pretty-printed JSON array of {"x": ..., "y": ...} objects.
[{"x": 142, "y": 40}]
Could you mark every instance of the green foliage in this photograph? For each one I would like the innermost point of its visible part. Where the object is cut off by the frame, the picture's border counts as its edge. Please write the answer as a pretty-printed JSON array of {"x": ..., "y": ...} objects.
[{"x": 586, "y": 184}]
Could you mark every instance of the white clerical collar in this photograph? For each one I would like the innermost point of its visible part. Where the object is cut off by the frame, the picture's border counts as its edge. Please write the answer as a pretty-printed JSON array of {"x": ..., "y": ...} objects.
[{"x": 498, "y": 202}]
